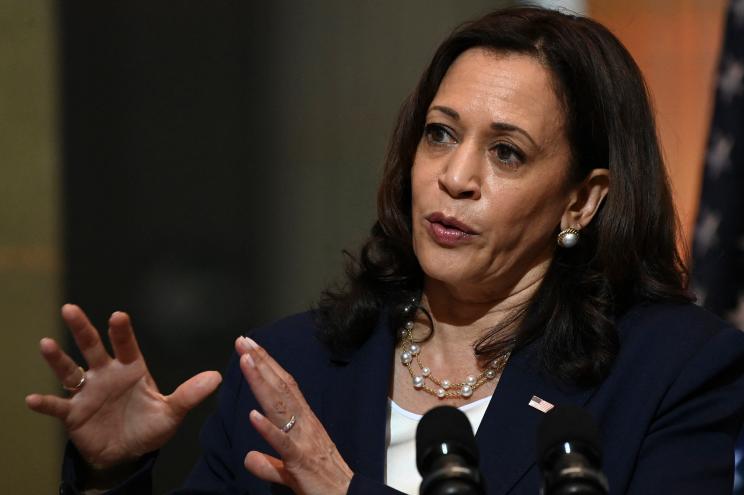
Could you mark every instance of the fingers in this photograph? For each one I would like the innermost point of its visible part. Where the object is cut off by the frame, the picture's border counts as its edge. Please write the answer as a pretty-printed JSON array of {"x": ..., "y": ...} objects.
[
  {"x": 194, "y": 390},
  {"x": 49, "y": 405},
  {"x": 312, "y": 465},
  {"x": 67, "y": 370},
  {"x": 122, "y": 338},
  {"x": 245, "y": 344},
  {"x": 86, "y": 336},
  {"x": 266, "y": 467},
  {"x": 276, "y": 391},
  {"x": 310, "y": 462},
  {"x": 279, "y": 441}
]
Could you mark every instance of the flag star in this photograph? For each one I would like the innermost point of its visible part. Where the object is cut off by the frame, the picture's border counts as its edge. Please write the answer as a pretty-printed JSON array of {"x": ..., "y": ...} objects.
[
  {"x": 737, "y": 315},
  {"x": 705, "y": 235},
  {"x": 719, "y": 154},
  {"x": 700, "y": 293},
  {"x": 566, "y": 6},
  {"x": 730, "y": 80},
  {"x": 737, "y": 9}
]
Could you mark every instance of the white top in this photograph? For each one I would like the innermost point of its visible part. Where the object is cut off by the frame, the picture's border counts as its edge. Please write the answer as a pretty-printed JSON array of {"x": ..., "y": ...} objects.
[{"x": 400, "y": 461}]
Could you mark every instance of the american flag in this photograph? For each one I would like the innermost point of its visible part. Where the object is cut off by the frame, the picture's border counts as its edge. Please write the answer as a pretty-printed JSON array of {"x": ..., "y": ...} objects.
[
  {"x": 540, "y": 404},
  {"x": 718, "y": 249}
]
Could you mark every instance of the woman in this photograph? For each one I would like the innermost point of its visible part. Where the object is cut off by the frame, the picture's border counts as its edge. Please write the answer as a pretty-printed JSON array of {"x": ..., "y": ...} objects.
[{"x": 525, "y": 246}]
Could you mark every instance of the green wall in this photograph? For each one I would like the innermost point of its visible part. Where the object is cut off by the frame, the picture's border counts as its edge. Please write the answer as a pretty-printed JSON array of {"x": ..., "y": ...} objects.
[{"x": 30, "y": 445}]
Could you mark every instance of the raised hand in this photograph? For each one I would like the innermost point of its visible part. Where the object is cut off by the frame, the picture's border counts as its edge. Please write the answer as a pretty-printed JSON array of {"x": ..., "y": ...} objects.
[
  {"x": 115, "y": 413},
  {"x": 310, "y": 464}
]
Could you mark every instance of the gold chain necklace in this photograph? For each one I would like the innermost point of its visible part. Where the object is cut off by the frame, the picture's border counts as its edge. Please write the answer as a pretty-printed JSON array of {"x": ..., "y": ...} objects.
[{"x": 445, "y": 388}]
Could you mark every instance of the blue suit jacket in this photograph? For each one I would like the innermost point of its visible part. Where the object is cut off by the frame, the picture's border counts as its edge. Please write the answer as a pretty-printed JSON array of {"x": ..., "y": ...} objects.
[{"x": 668, "y": 412}]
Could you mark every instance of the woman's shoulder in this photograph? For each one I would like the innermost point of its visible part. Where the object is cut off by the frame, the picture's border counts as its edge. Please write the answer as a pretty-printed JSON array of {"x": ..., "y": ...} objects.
[
  {"x": 674, "y": 396},
  {"x": 667, "y": 335},
  {"x": 288, "y": 335},
  {"x": 680, "y": 323},
  {"x": 292, "y": 327}
]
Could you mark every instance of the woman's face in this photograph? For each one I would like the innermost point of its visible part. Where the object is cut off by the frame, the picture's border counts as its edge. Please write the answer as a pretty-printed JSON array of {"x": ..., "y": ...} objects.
[{"x": 490, "y": 176}]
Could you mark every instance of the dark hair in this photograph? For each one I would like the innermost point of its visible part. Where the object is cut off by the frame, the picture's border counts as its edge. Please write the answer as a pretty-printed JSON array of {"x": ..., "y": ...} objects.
[{"x": 627, "y": 254}]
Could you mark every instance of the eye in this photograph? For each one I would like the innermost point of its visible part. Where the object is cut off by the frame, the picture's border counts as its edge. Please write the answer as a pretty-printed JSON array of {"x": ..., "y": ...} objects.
[
  {"x": 508, "y": 155},
  {"x": 438, "y": 134}
]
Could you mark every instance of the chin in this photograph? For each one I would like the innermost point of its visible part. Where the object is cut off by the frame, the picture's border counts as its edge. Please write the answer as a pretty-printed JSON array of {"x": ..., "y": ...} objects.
[{"x": 444, "y": 269}]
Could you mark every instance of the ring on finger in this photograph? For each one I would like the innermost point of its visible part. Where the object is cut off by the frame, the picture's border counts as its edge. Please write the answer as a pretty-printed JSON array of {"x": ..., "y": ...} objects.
[
  {"x": 290, "y": 424},
  {"x": 79, "y": 384}
]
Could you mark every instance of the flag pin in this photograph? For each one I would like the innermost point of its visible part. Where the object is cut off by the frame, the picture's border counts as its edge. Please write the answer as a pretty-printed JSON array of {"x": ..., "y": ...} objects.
[{"x": 540, "y": 404}]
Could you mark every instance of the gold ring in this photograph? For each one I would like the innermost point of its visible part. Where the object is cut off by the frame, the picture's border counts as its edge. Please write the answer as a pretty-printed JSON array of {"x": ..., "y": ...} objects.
[
  {"x": 290, "y": 424},
  {"x": 79, "y": 384}
]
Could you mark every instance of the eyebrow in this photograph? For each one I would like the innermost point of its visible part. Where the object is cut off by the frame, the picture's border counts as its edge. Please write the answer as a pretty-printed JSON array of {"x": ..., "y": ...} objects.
[{"x": 498, "y": 126}]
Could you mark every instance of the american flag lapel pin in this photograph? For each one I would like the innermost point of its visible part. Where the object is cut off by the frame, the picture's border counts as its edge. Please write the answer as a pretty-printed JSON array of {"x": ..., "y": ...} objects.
[{"x": 540, "y": 404}]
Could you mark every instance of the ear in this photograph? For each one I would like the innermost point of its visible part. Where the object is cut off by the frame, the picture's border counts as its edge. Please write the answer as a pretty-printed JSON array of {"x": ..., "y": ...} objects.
[{"x": 585, "y": 199}]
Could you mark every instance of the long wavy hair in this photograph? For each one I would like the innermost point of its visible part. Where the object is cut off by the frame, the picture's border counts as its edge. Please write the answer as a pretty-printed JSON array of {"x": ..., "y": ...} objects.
[{"x": 627, "y": 255}]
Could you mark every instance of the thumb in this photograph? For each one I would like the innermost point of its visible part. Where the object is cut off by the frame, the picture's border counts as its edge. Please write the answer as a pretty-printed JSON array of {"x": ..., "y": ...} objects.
[
  {"x": 194, "y": 390},
  {"x": 266, "y": 467}
]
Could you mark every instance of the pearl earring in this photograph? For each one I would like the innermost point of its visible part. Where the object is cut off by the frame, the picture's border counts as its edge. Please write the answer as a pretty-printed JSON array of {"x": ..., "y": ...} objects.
[{"x": 568, "y": 238}]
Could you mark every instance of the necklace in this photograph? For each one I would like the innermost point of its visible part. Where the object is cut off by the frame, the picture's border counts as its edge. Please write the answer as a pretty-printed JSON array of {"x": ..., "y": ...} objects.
[{"x": 445, "y": 388}]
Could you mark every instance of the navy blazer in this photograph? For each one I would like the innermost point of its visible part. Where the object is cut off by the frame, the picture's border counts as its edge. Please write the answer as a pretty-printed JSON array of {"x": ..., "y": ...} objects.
[{"x": 669, "y": 411}]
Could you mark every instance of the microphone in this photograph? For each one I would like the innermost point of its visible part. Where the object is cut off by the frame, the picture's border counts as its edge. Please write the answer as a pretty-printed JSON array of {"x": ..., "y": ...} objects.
[
  {"x": 569, "y": 453},
  {"x": 446, "y": 454}
]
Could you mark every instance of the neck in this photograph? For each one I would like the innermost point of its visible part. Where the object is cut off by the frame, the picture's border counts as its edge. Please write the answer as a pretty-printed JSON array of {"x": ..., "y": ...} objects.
[{"x": 461, "y": 316}]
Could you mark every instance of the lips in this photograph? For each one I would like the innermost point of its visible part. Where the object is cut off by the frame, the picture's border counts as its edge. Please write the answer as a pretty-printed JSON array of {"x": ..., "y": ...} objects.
[{"x": 449, "y": 231}]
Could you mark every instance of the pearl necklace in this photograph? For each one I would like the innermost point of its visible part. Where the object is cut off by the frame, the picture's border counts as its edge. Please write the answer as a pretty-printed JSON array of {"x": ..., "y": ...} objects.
[{"x": 445, "y": 388}]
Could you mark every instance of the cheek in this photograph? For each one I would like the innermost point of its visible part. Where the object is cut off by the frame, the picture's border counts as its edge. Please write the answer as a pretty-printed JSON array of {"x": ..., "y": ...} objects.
[
  {"x": 520, "y": 214},
  {"x": 417, "y": 198},
  {"x": 421, "y": 180},
  {"x": 423, "y": 197}
]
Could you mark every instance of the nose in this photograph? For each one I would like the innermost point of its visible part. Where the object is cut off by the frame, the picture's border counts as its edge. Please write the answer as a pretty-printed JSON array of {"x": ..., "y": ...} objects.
[{"x": 461, "y": 175}]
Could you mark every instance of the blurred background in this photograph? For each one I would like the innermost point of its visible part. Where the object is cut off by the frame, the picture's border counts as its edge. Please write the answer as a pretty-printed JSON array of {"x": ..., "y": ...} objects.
[{"x": 201, "y": 165}]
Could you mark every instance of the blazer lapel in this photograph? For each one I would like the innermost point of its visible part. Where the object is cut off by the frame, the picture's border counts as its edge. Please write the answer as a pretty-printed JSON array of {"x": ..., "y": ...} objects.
[
  {"x": 354, "y": 409},
  {"x": 507, "y": 434}
]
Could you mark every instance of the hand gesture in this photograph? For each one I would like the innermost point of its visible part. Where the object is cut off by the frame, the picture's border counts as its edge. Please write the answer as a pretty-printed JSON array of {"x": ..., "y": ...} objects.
[
  {"x": 310, "y": 464},
  {"x": 115, "y": 413}
]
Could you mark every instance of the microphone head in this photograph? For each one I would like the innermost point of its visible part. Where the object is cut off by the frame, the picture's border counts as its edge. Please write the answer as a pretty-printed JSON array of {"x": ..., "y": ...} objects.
[
  {"x": 568, "y": 424},
  {"x": 444, "y": 430}
]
